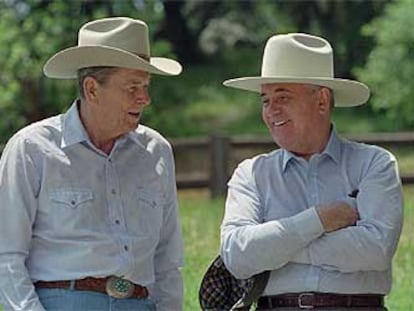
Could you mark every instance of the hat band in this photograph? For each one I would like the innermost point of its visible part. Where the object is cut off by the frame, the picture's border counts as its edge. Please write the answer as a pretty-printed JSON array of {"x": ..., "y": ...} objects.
[{"x": 142, "y": 56}]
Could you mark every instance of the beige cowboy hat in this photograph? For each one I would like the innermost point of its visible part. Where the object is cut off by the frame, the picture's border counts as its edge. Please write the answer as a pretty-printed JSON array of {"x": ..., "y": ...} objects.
[
  {"x": 117, "y": 41},
  {"x": 302, "y": 58}
]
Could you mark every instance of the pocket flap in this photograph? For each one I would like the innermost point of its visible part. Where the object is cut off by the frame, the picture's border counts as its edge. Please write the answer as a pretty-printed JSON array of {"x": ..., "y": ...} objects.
[
  {"x": 72, "y": 198},
  {"x": 148, "y": 199}
]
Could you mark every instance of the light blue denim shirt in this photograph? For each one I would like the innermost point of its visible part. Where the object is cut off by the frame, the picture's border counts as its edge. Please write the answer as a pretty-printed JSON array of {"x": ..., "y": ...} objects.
[
  {"x": 70, "y": 211},
  {"x": 271, "y": 223}
]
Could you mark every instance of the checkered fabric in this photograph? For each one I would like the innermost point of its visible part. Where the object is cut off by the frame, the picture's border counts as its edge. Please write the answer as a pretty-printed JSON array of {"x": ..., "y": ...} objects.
[{"x": 219, "y": 289}]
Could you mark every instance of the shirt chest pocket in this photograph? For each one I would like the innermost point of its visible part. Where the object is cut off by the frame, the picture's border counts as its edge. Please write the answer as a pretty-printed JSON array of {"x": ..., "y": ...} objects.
[
  {"x": 73, "y": 212},
  {"x": 71, "y": 198}
]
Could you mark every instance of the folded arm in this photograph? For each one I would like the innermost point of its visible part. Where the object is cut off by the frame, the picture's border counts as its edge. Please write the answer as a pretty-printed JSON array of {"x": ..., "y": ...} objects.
[
  {"x": 334, "y": 236},
  {"x": 245, "y": 235},
  {"x": 371, "y": 243}
]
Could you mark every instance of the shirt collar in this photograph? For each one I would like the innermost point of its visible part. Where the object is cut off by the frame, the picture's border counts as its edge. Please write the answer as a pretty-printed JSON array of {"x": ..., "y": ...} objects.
[
  {"x": 332, "y": 150},
  {"x": 73, "y": 131}
]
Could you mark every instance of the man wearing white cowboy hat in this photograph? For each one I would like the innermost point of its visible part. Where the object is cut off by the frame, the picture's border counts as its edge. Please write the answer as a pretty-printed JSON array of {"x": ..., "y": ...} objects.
[
  {"x": 322, "y": 213},
  {"x": 89, "y": 216}
]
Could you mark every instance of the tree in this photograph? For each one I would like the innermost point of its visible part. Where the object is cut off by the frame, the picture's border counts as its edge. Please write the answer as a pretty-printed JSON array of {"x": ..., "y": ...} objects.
[
  {"x": 213, "y": 39},
  {"x": 340, "y": 22},
  {"x": 30, "y": 32},
  {"x": 390, "y": 67}
]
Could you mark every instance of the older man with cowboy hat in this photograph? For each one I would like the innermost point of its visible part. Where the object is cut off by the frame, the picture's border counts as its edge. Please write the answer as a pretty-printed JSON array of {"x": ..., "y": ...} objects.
[
  {"x": 89, "y": 216},
  {"x": 322, "y": 213}
]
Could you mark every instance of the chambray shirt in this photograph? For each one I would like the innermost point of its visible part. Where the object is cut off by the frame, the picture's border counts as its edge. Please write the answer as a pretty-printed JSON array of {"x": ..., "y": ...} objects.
[
  {"x": 271, "y": 223},
  {"x": 70, "y": 211}
]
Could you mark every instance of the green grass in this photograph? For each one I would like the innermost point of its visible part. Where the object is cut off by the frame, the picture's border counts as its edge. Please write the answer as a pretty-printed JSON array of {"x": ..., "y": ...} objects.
[
  {"x": 405, "y": 159},
  {"x": 201, "y": 218},
  {"x": 401, "y": 297}
]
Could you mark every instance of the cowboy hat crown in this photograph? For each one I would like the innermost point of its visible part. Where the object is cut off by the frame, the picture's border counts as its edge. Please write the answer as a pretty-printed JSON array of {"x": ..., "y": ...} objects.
[
  {"x": 116, "y": 41},
  {"x": 306, "y": 59}
]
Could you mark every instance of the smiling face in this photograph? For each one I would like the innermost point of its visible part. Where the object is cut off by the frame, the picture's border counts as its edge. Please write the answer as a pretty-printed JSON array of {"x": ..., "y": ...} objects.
[
  {"x": 115, "y": 106},
  {"x": 297, "y": 116}
]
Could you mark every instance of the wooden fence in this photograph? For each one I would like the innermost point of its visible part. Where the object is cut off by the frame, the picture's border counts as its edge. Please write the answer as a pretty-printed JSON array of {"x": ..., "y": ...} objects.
[
  {"x": 207, "y": 162},
  {"x": 221, "y": 155}
]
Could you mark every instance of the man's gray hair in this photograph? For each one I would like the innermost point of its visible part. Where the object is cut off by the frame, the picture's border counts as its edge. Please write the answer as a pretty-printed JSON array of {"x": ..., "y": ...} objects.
[
  {"x": 331, "y": 94},
  {"x": 100, "y": 74}
]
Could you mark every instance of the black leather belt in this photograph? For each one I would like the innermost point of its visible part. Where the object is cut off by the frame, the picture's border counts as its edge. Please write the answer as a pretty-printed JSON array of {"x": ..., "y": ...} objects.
[{"x": 313, "y": 300}]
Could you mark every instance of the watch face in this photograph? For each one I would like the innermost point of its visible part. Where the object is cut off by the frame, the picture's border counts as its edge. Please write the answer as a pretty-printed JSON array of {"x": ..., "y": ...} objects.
[{"x": 117, "y": 287}]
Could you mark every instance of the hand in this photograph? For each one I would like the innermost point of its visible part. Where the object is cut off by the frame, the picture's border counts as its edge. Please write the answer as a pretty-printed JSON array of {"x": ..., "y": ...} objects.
[{"x": 337, "y": 215}]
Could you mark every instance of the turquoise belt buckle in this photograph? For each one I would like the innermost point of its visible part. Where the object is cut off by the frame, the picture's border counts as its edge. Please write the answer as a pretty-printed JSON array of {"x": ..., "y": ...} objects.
[{"x": 117, "y": 287}]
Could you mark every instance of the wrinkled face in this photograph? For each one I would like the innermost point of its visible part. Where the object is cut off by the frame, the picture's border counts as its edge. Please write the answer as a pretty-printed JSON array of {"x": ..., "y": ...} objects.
[
  {"x": 121, "y": 100},
  {"x": 297, "y": 116}
]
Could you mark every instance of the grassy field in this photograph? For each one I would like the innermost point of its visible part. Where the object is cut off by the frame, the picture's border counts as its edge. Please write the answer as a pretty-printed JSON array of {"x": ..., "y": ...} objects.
[{"x": 201, "y": 219}]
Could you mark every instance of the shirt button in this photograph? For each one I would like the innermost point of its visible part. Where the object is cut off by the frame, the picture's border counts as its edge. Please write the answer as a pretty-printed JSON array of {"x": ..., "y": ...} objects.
[
  {"x": 126, "y": 248},
  {"x": 73, "y": 202},
  {"x": 113, "y": 191},
  {"x": 117, "y": 222}
]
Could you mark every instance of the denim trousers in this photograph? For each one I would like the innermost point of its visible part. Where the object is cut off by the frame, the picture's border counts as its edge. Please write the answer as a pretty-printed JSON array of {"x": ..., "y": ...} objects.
[
  {"x": 54, "y": 299},
  {"x": 327, "y": 309}
]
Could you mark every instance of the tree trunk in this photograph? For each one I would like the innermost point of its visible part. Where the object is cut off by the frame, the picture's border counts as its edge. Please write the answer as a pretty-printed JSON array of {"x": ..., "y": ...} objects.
[{"x": 175, "y": 29}]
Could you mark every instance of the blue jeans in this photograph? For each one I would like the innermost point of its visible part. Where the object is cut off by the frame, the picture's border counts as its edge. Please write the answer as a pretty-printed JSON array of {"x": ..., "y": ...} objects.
[
  {"x": 54, "y": 299},
  {"x": 327, "y": 309}
]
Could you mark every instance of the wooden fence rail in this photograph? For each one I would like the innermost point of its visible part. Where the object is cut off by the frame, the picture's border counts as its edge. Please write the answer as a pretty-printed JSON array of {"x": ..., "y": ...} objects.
[
  {"x": 207, "y": 162},
  {"x": 220, "y": 152}
]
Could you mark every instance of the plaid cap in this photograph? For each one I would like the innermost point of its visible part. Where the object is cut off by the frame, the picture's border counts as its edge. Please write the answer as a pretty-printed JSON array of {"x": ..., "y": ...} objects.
[{"x": 219, "y": 289}]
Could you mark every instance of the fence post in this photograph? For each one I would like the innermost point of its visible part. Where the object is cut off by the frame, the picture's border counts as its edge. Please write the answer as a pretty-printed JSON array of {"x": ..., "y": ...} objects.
[{"x": 219, "y": 156}]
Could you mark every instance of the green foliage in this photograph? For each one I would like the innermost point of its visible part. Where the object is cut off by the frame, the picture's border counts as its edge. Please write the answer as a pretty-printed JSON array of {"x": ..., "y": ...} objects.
[
  {"x": 196, "y": 102},
  {"x": 390, "y": 67},
  {"x": 215, "y": 40},
  {"x": 29, "y": 35},
  {"x": 31, "y": 31}
]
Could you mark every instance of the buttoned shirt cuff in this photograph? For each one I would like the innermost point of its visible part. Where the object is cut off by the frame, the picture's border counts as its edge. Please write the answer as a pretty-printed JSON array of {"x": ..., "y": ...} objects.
[
  {"x": 309, "y": 228},
  {"x": 308, "y": 225}
]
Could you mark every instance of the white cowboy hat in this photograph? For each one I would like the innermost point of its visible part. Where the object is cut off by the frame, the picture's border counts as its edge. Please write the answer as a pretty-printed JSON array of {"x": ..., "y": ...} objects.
[
  {"x": 117, "y": 41},
  {"x": 302, "y": 58}
]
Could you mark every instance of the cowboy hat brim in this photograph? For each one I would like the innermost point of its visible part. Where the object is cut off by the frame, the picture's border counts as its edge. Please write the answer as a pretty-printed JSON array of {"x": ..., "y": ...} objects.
[
  {"x": 66, "y": 63},
  {"x": 347, "y": 93}
]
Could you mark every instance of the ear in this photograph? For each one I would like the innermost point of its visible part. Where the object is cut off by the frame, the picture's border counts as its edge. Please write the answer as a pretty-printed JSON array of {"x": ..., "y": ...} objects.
[
  {"x": 324, "y": 100},
  {"x": 90, "y": 87}
]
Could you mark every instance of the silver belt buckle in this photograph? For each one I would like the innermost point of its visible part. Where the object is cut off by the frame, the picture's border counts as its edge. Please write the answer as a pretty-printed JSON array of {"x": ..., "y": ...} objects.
[
  {"x": 304, "y": 305},
  {"x": 120, "y": 288}
]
